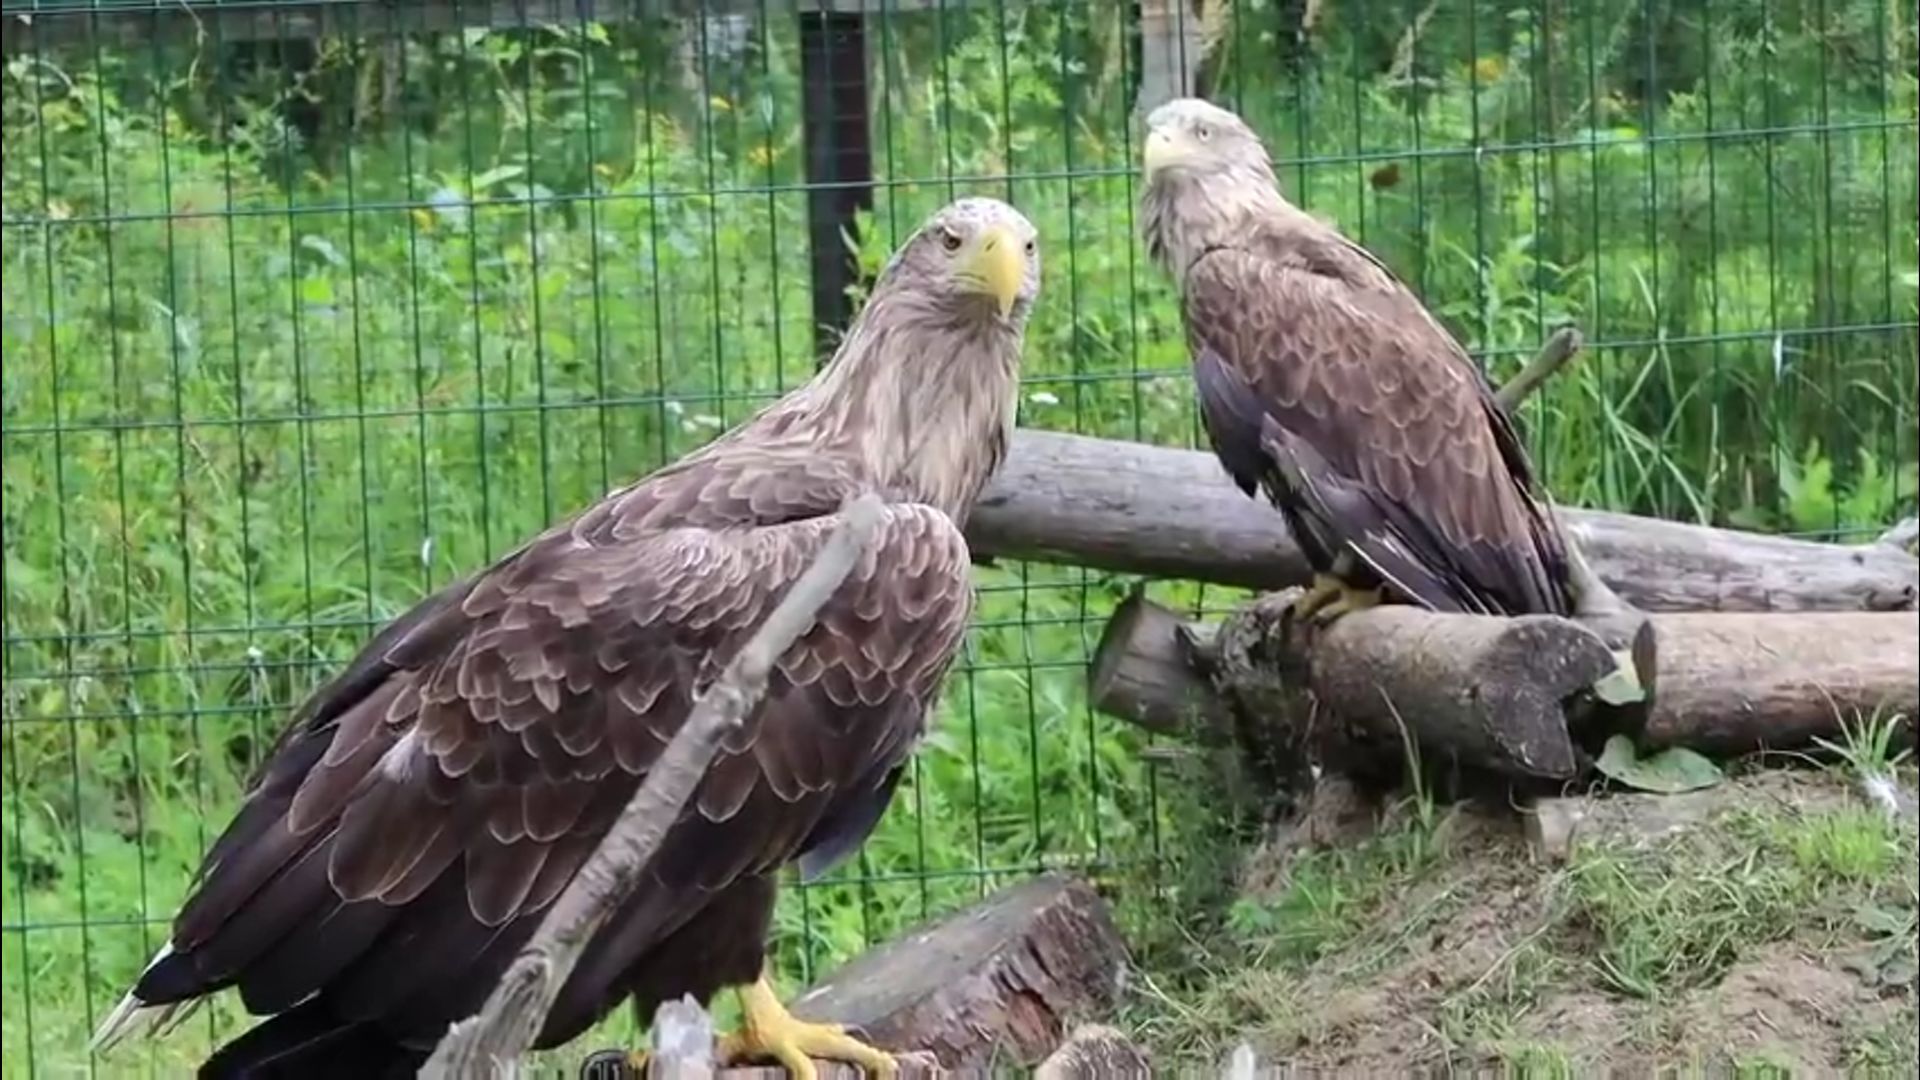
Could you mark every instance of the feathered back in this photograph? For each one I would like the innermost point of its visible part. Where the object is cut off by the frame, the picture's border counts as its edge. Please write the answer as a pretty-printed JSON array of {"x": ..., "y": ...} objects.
[
  {"x": 425, "y": 807},
  {"x": 1323, "y": 379}
]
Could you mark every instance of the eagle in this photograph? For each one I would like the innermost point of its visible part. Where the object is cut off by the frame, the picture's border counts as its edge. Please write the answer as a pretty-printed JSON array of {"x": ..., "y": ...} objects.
[
  {"x": 423, "y": 810},
  {"x": 1324, "y": 382}
]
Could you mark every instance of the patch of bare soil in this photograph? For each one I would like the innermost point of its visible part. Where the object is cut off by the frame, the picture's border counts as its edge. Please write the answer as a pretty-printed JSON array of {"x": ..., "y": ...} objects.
[
  {"x": 1383, "y": 1009},
  {"x": 1794, "y": 1008},
  {"x": 1473, "y": 969}
]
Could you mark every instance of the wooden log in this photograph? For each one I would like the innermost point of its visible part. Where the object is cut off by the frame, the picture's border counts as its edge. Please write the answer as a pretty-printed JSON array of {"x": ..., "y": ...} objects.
[
  {"x": 1483, "y": 691},
  {"x": 912, "y": 1067},
  {"x": 1731, "y": 684},
  {"x": 1146, "y": 669},
  {"x": 1163, "y": 512},
  {"x": 1002, "y": 981},
  {"x": 1727, "y": 683},
  {"x": 1095, "y": 1052},
  {"x": 1467, "y": 690}
]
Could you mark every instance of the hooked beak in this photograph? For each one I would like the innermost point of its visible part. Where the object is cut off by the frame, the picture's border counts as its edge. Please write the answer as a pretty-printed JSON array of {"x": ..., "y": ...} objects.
[
  {"x": 997, "y": 266},
  {"x": 1161, "y": 151}
]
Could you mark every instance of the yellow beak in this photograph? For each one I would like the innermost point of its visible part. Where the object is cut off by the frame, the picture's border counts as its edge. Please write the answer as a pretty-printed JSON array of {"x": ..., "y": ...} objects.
[
  {"x": 1161, "y": 151},
  {"x": 997, "y": 266}
]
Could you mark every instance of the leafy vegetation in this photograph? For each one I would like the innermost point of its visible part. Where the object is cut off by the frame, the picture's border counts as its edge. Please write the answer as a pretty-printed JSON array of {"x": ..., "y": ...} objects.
[{"x": 295, "y": 333}]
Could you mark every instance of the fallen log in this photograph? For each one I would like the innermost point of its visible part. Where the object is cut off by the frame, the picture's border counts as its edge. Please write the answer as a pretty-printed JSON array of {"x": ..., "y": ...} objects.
[
  {"x": 1732, "y": 684},
  {"x": 1162, "y": 512},
  {"x": 1147, "y": 668},
  {"x": 1002, "y": 982},
  {"x": 1472, "y": 691},
  {"x": 1492, "y": 693},
  {"x": 1095, "y": 1052}
]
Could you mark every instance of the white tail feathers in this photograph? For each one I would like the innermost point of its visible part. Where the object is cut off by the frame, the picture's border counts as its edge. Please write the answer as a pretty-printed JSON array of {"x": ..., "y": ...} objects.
[{"x": 135, "y": 1018}]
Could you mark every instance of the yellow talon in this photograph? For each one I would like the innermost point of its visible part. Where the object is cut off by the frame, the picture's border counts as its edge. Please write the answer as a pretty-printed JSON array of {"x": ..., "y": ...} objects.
[
  {"x": 1348, "y": 600},
  {"x": 1331, "y": 598},
  {"x": 768, "y": 1030},
  {"x": 1325, "y": 589}
]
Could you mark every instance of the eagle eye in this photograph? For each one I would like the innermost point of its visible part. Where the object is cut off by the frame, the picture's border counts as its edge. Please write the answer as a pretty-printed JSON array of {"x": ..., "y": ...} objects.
[
  {"x": 1202, "y": 132},
  {"x": 1030, "y": 247},
  {"x": 949, "y": 239}
]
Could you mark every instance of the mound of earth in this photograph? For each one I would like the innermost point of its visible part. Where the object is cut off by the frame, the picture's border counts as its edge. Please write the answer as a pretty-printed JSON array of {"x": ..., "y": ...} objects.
[{"x": 1775, "y": 928}]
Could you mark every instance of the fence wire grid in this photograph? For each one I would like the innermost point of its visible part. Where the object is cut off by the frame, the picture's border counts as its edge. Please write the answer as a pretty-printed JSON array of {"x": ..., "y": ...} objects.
[{"x": 312, "y": 306}]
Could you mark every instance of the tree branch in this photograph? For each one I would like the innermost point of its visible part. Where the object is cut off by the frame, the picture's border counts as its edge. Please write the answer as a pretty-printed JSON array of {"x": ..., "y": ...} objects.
[
  {"x": 1560, "y": 348},
  {"x": 1159, "y": 511},
  {"x": 1477, "y": 688},
  {"x": 492, "y": 1042},
  {"x": 1903, "y": 535}
]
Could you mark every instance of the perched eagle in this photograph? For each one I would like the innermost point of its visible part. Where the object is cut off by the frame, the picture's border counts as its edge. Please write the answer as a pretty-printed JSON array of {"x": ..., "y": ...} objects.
[
  {"x": 1323, "y": 380},
  {"x": 426, "y": 807}
]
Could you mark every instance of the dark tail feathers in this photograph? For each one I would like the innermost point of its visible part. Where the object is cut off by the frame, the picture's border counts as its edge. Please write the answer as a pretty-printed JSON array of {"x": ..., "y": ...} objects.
[{"x": 308, "y": 1042}]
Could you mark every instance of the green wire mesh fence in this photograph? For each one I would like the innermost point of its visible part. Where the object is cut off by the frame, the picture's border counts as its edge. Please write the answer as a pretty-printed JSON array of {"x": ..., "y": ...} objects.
[{"x": 311, "y": 306}]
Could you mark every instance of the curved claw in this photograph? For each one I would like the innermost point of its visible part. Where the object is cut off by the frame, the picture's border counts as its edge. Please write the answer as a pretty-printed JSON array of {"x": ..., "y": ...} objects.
[
  {"x": 1307, "y": 604},
  {"x": 1348, "y": 600},
  {"x": 1330, "y": 598},
  {"x": 768, "y": 1030},
  {"x": 615, "y": 1065}
]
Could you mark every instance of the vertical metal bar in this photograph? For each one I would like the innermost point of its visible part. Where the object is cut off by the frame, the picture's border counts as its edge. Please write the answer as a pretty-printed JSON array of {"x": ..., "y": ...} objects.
[{"x": 839, "y": 157}]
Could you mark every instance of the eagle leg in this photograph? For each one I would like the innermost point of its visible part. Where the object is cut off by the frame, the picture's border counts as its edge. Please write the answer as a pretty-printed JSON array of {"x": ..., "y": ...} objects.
[
  {"x": 768, "y": 1030},
  {"x": 1347, "y": 600},
  {"x": 1331, "y": 598},
  {"x": 1326, "y": 588}
]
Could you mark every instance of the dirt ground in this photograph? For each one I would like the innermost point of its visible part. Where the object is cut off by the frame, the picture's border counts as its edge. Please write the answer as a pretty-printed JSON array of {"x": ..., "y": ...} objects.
[{"x": 1733, "y": 939}]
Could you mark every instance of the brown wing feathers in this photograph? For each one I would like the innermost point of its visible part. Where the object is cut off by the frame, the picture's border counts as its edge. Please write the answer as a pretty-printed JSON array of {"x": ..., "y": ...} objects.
[
  {"x": 442, "y": 791},
  {"x": 1322, "y": 378}
]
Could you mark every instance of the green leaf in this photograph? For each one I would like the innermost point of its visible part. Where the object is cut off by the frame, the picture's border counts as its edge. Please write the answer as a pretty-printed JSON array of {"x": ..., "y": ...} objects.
[
  {"x": 1622, "y": 685},
  {"x": 1668, "y": 772}
]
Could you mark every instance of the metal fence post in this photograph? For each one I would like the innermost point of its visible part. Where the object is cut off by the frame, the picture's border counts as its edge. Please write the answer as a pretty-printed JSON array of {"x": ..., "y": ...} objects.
[{"x": 839, "y": 156}]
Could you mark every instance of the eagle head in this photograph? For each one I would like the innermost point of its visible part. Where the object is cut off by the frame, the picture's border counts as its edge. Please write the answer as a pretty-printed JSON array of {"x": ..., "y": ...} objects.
[{"x": 973, "y": 257}]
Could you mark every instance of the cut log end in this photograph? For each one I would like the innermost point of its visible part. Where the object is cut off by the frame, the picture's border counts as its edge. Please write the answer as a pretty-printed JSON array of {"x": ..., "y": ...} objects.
[
  {"x": 1475, "y": 690},
  {"x": 1144, "y": 671},
  {"x": 1001, "y": 981},
  {"x": 1733, "y": 684},
  {"x": 1095, "y": 1052}
]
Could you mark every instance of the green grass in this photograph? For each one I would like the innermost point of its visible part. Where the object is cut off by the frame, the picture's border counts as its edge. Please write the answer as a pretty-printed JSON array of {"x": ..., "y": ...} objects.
[
  {"x": 1474, "y": 956},
  {"x": 265, "y": 387},
  {"x": 1673, "y": 918}
]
